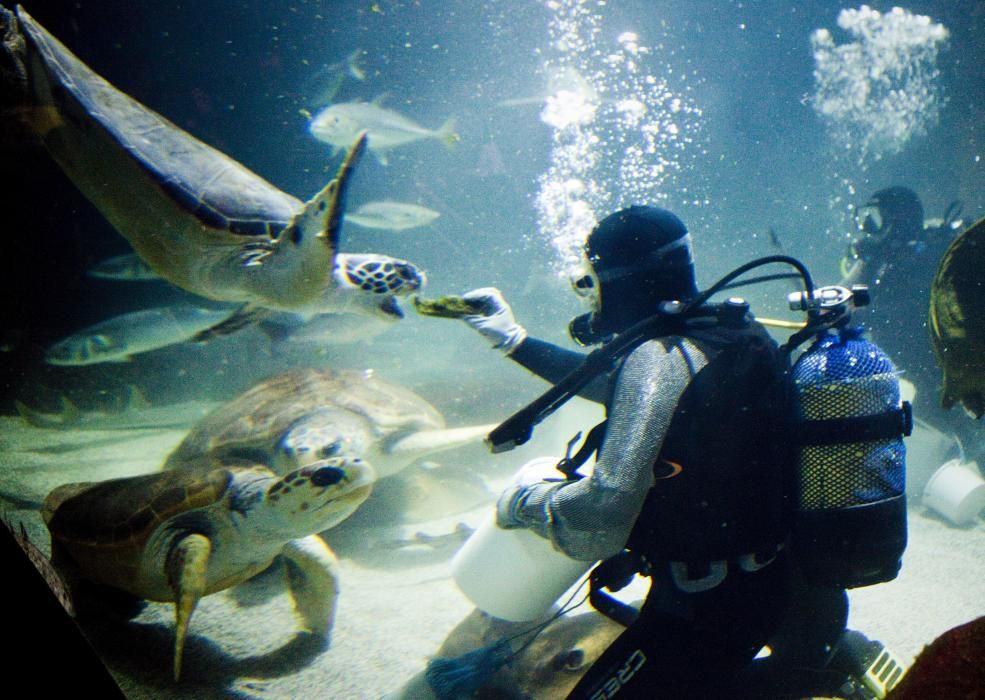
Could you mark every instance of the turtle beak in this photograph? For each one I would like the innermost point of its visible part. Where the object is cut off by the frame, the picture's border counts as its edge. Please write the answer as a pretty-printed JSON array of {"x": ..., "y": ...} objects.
[{"x": 391, "y": 308}]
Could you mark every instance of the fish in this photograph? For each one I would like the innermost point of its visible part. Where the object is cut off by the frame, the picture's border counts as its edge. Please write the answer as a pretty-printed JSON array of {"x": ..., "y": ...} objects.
[
  {"x": 128, "y": 267},
  {"x": 132, "y": 412},
  {"x": 352, "y": 65},
  {"x": 119, "y": 338},
  {"x": 393, "y": 216},
  {"x": 339, "y": 124},
  {"x": 774, "y": 238},
  {"x": 326, "y": 82},
  {"x": 286, "y": 329}
]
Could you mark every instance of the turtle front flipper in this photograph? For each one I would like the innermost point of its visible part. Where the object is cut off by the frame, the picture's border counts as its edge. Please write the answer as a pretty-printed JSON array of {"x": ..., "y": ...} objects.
[
  {"x": 294, "y": 270},
  {"x": 336, "y": 209},
  {"x": 403, "y": 449},
  {"x": 312, "y": 576},
  {"x": 186, "y": 569}
]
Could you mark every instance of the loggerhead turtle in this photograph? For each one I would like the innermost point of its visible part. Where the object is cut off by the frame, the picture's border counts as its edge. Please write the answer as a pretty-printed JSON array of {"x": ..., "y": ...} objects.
[
  {"x": 179, "y": 535},
  {"x": 198, "y": 218},
  {"x": 306, "y": 414},
  {"x": 957, "y": 320}
]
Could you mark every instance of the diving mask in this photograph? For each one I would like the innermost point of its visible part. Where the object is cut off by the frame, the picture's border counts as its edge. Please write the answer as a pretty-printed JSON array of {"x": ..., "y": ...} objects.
[
  {"x": 585, "y": 284},
  {"x": 869, "y": 220}
]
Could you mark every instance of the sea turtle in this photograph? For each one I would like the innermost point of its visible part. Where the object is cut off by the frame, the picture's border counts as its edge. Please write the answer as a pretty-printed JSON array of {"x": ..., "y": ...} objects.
[
  {"x": 198, "y": 218},
  {"x": 181, "y": 534},
  {"x": 547, "y": 660},
  {"x": 957, "y": 320},
  {"x": 306, "y": 414}
]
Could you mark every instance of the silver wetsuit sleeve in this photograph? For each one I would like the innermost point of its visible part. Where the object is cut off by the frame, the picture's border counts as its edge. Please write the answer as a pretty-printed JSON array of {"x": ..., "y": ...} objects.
[{"x": 592, "y": 518}]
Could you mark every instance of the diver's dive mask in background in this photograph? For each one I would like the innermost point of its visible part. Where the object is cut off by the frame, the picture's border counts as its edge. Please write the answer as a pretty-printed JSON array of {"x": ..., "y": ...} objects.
[{"x": 585, "y": 284}]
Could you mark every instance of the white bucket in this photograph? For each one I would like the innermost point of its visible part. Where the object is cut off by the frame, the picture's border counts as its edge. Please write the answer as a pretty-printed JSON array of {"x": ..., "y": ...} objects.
[
  {"x": 926, "y": 450},
  {"x": 515, "y": 575},
  {"x": 956, "y": 491}
]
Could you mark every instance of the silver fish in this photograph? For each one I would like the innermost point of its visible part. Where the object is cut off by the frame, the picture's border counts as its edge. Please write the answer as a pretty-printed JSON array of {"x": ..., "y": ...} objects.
[
  {"x": 394, "y": 216},
  {"x": 132, "y": 412},
  {"x": 339, "y": 124},
  {"x": 326, "y": 82},
  {"x": 323, "y": 329},
  {"x": 119, "y": 338},
  {"x": 127, "y": 267}
]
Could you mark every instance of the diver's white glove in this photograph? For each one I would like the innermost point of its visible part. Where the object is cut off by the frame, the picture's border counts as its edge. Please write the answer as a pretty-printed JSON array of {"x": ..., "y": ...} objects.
[{"x": 497, "y": 324}]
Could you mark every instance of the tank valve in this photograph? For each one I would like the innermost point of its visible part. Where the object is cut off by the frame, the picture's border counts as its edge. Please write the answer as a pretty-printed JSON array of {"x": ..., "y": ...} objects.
[{"x": 833, "y": 298}]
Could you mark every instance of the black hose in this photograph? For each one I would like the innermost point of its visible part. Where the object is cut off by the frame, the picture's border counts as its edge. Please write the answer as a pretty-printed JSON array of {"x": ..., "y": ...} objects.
[{"x": 516, "y": 429}]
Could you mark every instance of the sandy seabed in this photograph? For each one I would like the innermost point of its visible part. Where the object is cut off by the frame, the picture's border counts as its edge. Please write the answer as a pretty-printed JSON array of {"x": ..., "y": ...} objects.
[{"x": 396, "y": 606}]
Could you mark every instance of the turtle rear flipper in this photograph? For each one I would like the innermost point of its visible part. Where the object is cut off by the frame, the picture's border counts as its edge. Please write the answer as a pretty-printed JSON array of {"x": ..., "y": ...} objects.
[
  {"x": 90, "y": 600},
  {"x": 13, "y": 72},
  {"x": 244, "y": 316}
]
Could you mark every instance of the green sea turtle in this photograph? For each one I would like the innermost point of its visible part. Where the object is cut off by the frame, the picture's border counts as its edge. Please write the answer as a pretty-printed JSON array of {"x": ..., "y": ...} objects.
[
  {"x": 179, "y": 535},
  {"x": 957, "y": 320},
  {"x": 198, "y": 218},
  {"x": 306, "y": 414}
]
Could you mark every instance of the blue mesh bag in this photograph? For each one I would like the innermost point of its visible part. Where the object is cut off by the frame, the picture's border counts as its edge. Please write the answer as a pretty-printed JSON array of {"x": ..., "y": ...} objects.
[{"x": 850, "y": 465}]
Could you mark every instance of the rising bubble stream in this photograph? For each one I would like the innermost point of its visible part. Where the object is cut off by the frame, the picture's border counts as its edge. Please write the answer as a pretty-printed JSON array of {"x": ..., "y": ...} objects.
[{"x": 622, "y": 128}]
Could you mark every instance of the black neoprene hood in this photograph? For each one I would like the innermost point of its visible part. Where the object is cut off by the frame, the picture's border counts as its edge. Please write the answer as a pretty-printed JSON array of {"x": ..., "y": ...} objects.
[{"x": 641, "y": 256}]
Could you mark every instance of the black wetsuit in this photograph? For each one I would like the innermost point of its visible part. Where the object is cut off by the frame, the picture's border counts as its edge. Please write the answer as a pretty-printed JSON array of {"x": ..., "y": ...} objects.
[
  {"x": 683, "y": 644},
  {"x": 899, "y": 274}
]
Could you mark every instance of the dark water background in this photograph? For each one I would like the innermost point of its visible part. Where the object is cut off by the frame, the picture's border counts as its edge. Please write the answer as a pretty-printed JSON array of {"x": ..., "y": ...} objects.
[{"x": 237, "y": 74}]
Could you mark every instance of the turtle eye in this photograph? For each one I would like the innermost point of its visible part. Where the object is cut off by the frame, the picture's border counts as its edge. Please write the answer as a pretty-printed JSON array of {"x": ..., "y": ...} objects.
[
  {"x": 327, "y": 476},
  {"x": 100, "y": 343},
  {"x": 330, "y": 450},
  {"x": 569, "y": 661}
]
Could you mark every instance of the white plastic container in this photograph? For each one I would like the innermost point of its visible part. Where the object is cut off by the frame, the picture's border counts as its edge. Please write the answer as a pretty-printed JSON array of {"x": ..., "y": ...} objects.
[
  {"x": 956, "y": 491},
  {"x": 515, "y": 575}
]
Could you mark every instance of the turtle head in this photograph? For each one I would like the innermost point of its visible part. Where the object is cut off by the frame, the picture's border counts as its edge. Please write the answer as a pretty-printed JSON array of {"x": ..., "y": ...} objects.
[
  {"x": 318, "y": 496},
  {"x": 322, "y": 434},
  {"x": 87, "y": 348},
  {"x": 373, "y": 282}
]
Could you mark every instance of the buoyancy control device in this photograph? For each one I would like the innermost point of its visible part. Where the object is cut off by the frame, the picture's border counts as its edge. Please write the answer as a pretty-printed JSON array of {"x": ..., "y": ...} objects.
[{"x": 838, "y": 415}]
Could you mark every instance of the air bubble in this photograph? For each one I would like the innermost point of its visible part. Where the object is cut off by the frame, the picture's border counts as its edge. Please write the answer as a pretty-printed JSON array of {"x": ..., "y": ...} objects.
[{"x": 881, "y": 89}]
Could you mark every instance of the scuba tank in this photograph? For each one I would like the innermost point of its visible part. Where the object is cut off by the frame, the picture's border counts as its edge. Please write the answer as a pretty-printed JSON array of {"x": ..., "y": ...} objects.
[{"x": 849, "y": 523}]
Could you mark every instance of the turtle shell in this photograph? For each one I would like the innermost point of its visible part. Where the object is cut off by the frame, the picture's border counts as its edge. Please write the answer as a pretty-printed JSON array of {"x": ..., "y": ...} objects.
[
  {"x": 258, "y": 417},
  {"x": 220, "y": 192},
  {"x": 104, "y": 526},
  {"x": 957, "y": 320}
]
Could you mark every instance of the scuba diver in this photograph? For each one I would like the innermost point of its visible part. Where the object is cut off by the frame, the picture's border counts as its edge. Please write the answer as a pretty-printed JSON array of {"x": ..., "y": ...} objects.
[
  {"x": 897, "y": 256},
  {"x": 686, "y": 488}
]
